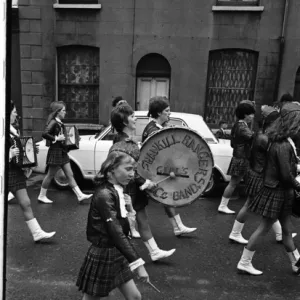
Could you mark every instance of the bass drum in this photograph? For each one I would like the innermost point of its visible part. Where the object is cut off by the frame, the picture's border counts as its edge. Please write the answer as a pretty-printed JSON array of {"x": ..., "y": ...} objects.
[{"x": 179, "y": 160}]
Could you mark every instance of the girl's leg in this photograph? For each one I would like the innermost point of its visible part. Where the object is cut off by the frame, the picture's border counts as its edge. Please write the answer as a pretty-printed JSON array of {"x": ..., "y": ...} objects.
[
  {"x": 33, "y": 225},
  {"x": 69, "y": 174},
  {"x": 234, "y": 182},
  {"x": 176, "y": 222},
  {"x": 45, "y": 184},
  {"x": 288, "y": 242},
  {"x": 88, "y": 297},
  {"x": 236, "y": 232},
  {"x": 278, "y": 231},
  {"x": 130, "y": 291},
  {"x": 145, "y": 231},
  {"x": 245, "y": 264}
]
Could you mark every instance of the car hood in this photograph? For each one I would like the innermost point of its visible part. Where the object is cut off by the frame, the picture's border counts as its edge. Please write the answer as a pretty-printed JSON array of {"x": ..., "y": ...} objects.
[{"x": 221, "y": 149}]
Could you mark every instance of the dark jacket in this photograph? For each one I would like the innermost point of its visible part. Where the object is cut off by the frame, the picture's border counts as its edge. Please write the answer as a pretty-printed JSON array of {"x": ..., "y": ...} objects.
[
  {"x": 53, "y": 128},
  {"x": 150, "y": 128},
  {"x": 106, "y": 228},
  {"x": 138, "y": 180},
  {"x": 258, "y": 156},
  {"x": 281, "y": 168},
  {"x": 241, "y": 139}
]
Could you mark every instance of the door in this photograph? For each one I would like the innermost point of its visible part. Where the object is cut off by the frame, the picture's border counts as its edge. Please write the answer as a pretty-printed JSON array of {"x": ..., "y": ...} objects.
[{"x": 148, "y": 87}]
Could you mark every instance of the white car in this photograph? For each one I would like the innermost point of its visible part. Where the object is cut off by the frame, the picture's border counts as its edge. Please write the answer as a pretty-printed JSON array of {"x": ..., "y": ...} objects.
[{"x": 87, "y": 160}]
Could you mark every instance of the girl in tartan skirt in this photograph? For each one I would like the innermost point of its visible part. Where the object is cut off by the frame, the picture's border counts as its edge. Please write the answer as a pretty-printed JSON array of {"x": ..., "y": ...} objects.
[
  {"x": 123, "y": 120},
  {"x": 254, "y": 183},
  {"x": 111, "y": 259},
  {"x": 241, "y": 139},
  {"x": 159, "y": 111},
  {"x": 275, "y": 199},
  {"x": 57, "y": 156},
  {"x": 17, "y": 183}
]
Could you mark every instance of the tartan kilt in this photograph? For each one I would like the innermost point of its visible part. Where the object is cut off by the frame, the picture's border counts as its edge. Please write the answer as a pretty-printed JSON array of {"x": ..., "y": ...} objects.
[
  {"x": 238, "y": 167},
  {"x": 57, "y": 157},
  {"x": 139, "y": 198},
  {"x": 16, "y": 179},
  {"x": 273, "y": 202},
  {"x": 254, "y": 183},
  {"x": 102, "y": 271}
]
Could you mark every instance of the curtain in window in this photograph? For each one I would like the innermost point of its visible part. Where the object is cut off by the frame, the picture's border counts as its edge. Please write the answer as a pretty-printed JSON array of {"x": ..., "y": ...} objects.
[{"x": 78, "y": 82}]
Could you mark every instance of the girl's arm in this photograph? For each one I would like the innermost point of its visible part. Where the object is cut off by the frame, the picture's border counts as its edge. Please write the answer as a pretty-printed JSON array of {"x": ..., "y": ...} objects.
[
  {"x": 105, "y": 204},
  {"x": 47, "y": 134}
]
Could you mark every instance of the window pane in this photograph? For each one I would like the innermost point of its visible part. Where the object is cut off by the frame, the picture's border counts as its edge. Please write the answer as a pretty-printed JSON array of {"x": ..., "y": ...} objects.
[
  {"x": 231, "y": 79},
  {"x": 237, "y": 2},
  {"x": 78, "y": 82},
  {"x": 78, "y": 1}
]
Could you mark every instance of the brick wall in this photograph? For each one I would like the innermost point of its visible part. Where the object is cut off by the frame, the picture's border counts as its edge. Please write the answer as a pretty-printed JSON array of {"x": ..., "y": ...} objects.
[{"x": 183, "y": 32}]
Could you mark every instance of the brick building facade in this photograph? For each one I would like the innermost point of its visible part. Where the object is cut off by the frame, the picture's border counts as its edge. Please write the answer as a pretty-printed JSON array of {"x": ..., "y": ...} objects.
[{"x": 205, "y": 55}]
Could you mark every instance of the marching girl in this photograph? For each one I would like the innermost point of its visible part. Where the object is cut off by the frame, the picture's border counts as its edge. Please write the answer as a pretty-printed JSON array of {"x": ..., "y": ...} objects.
[
  {"x": 111, "y": 259},
  {"x": 254, "y": 181},
  {"x": 17, "y": 184},
  {"x": 123, "y": 120},
  {"x": 159, "y": 110},
  {"x": 275, "y": 199},
  {"x": 241, "y": 139},
  {"x": 57, "y": 156}
]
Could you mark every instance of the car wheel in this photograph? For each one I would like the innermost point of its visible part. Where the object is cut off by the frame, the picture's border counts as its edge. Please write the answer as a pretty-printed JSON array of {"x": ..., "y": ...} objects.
[
  {"x": 212, "y": 185},
  {"x": 60, "y": 180}
]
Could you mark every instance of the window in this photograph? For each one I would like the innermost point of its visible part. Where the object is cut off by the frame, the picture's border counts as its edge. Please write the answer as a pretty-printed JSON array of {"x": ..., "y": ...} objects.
[
  {"x": 78, "y": 82},
  {"x": 237, "y": 2},
  {"x": 231, "y": 79},
  {"x": 77, "y": 1},
  {"x": 297, "y": 86}
]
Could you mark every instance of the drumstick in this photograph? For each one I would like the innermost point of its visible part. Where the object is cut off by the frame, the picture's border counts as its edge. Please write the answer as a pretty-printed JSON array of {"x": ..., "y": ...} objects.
[
  {"x": 172, "y": 175},
  {"x": 151, "y": 284}
]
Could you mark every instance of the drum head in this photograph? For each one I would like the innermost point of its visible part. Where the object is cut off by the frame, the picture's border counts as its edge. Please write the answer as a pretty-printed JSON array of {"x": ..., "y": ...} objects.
[
  {"x": 180, "y": 161},
  {"x": 72, "y": 135},
  {"x": 29, "y": 151}
]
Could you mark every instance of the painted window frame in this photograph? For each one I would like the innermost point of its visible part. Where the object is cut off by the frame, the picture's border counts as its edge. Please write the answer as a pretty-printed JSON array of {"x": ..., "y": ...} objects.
[{"x": 237, "y": 3}]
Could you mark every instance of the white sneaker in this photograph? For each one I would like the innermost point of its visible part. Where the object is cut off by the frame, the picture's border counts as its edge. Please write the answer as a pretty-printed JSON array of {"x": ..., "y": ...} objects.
[
  {"x": 84, "y": 197},
  {"x": 40, "y": 235},
  {"x": 44, "y": 199},
  {"x": 160, "y": 254},
  {"x": 238, "y": 238},
  {"x": 225, "y": 210},
  {"x": 183, "y": 230}
]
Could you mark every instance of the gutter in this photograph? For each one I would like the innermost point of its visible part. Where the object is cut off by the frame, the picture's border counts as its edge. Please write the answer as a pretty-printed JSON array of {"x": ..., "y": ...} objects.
[{"x": 281, "y": 50}]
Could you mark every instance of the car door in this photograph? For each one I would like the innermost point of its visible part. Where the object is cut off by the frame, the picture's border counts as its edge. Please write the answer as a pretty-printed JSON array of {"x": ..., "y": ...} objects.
[{"x": 102, "y": 147}]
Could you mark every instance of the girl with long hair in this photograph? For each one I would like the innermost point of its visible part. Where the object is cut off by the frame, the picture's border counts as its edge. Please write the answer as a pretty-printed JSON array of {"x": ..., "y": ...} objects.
[
  {"x": 124, "y": 122},
  {"x": 111, "y": 258},
  {"x": 17, "y": 183},
  {"x": 275, "y": 199},
  {"x": 254, "y": 183},
  {"x": 241, "y": 138},
  {"x": 57, "y": 156},
  {"x": 159, "y": 111}
]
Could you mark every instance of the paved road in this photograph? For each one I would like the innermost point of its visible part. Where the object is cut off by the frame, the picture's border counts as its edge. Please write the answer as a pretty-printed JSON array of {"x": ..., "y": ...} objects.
[{"x": 203, "y": 267}]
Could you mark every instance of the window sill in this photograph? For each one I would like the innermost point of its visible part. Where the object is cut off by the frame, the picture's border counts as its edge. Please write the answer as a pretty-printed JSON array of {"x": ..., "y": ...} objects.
[
  {"x": 238, "y": 8},
  {"x": 77, "y": 6}
]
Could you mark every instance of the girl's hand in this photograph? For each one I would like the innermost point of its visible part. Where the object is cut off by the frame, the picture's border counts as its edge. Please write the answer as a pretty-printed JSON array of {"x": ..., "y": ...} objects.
[
  {"x": 61, "y": 137},
  {"x": 142, "y": 274},
  {"x": 14, "y": 151},
  {"x": 151, "y": 185},
  {"x": 37, "y": 148},
  {"x": 127, "y": 199}
]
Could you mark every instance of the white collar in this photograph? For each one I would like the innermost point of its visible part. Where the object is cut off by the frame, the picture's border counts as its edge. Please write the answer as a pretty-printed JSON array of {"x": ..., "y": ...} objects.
[
  {"x": 58, "y": 120},
  {"x": 158, "y": 125},
  {"x": 120, "y": 190},
  {"x": 13, "y": 130},
  {"x": 242, "y": 121},
  {"x": 293, "y": 145}
]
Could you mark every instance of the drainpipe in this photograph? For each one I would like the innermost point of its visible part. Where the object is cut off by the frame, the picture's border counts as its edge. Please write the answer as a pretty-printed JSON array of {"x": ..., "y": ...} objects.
[
  {"x": 132, "y": 57},
  {"x": 281, "y": 49}
]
